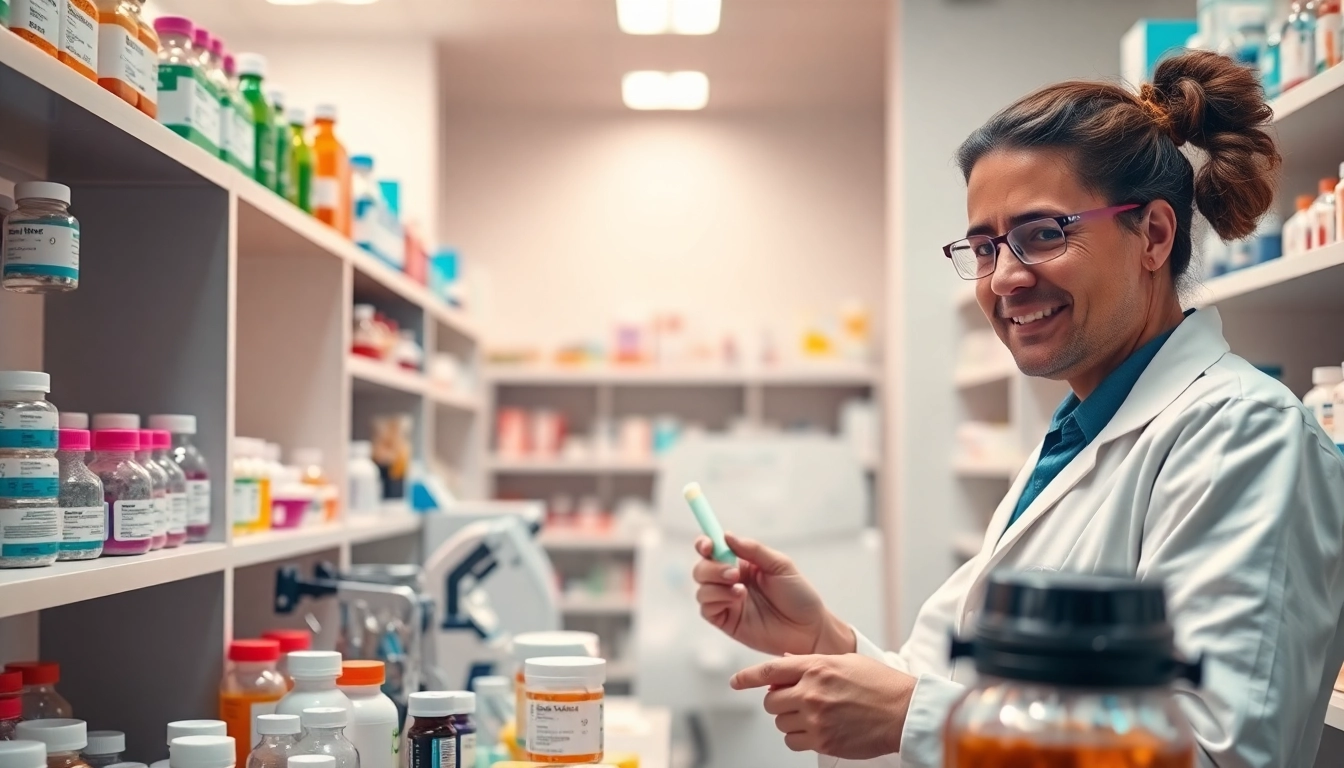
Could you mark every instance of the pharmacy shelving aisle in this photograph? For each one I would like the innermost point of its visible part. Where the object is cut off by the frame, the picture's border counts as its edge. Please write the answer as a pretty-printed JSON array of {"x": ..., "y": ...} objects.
[{"x": 201, "y": 292}]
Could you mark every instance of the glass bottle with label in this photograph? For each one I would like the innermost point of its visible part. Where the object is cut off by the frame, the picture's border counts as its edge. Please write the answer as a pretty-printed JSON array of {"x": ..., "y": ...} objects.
[
  {"x": 186, "y": 105},
  {"x": 41, "y": 240},
  {"x": 242, "y": 150},
  {"x": 251, "y": 687},
  {"x": 324, "y": 734},
  {"x": 331, "y": 173},
  {"x": 128, "y": 492},
  {"x": 79, "y": 37},
  {"x": 251, "y": 73},
  {"x": 277, "y": 741},
  {"x": 431, "y": 737},
  {"x": 38, "y": 22},
  {"x": 127, "y": 64},
  {"x": 1297, "y": 45},
  {"x": 144, "y": 456},
  {"x": 179, "y": 503},
  {"x": 83, "y": 523},
  {"x": 182, "y": 429},
  {"x": 30, "y": 521},
  {"x": 300, "y": 161}
]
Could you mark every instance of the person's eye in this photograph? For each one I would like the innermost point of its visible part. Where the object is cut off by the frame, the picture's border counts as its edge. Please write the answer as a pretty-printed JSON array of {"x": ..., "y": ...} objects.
[
  {"x": 1047, "y": 235},
  {"x": 985, "y": 250}
]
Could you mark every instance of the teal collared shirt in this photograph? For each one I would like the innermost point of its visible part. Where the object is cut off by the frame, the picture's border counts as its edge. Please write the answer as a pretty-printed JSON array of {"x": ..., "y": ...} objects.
[{"x": 1077, "y": 423}]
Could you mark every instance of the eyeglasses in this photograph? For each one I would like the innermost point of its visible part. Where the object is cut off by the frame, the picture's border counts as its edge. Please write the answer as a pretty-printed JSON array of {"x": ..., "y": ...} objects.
[{"x": 1034, "y": 242}]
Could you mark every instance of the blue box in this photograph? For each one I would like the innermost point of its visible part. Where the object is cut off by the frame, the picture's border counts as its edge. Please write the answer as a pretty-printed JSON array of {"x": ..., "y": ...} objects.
[{"x": 1148, "y": 42}]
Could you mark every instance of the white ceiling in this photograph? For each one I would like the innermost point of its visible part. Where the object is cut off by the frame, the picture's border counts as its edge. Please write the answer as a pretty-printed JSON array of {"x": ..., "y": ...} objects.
[{"x": 767, "y": 54}]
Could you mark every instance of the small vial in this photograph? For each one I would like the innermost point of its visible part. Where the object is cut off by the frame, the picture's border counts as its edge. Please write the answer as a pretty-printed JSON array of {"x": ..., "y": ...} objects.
[
  {"x": 41, "y": 240},
  {"x": 179, "y": 505},
  {"x": 64, "y": 737},
  {"x": 105, "y": 748},
  {"x": 40, "y": 699},
  {"x": 144, "y": 456},
  {"x": 324, "y": 734},
  {"x": 128, "y": 492},
  {"x": 201, "y": 752},
  {"x": 23, "y": 754},
  {"x": 83, "y": 520},
  {"x": 183, "y": 430},
  {"x": 278, "y": 741}
]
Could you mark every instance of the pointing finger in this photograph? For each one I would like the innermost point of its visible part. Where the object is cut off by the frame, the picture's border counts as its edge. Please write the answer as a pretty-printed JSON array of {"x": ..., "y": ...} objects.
[{"x": 777, "y": 672}]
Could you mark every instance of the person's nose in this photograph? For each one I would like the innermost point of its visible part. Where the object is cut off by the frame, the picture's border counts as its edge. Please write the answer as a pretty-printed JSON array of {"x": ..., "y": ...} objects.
[{"x": 1010, "y": 275}]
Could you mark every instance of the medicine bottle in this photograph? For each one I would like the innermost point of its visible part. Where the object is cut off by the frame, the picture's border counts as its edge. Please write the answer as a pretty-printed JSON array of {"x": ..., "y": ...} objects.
[
  {"x": 182, "y": 429},
  {"x": 251, "y": 73},
  {"x": 37, "y": 22},
  {"x": 300, "y": 160},
  {"x": 73, "y": 420},
  {"x": 179, "y": 728},
  {"x": 144, "y": 456},
  {"x": 1091, "y": 658},
  {"x": 105, "y": 748},
  {"x": 1320, "y": 399},
  {"x": 128, "y": 54},
  {"x": 462, "y": 715},
  {"x": 179, "y": 504},
  {"x": 251, "y": 686},
  {"x": 565, "y": 701},
  {"x": 324, "y": 734},
  {"x": 186, "y": 104},
  {"x": 251, "y": 486},
  {"x": 41, "y": 701},
  {"x": 332, "y": 204},
  {"x": 280, "y": 139},
  {"x": 432, "y": 736},
  {"x": 277, "y": 741},
  {"x": 290, "y": 640},
  {"x": 374, "y": 721},
  {"x": 366, "y": 485},
  {"x": 41, "y": 240},
  {"x": 11, "y": 713},
  {"x": 314, "y": 674},
  {"x": 309, "y": 460},
  {"x": 83, "y": 520},
  {"x": 28, "y": 423},
  {"x": 201, "y": 752},
  {"x": 30, "y": 519},
  {"x": 128, "y": 492},
  {"x": 64, "y": 737},
  {"x": 531, "y": 645},
  {"x": 23, "y": 754},
  {"x": 79, "y": 37}
]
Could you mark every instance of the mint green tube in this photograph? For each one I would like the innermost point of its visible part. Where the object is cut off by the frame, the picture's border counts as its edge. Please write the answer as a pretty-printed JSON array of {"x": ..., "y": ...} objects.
[{"x": 704, "y": 515}]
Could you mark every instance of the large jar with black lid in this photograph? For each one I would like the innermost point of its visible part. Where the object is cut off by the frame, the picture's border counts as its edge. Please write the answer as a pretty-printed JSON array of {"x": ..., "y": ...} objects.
[{"x": 1073, "y": 670}]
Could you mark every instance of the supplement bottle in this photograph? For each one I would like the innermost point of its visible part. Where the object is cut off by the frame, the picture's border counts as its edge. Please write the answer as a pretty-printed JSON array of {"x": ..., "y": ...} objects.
[
  {"x": 280, "y": 139},
  {"x": 159, "y": 481},
  {"x": 64, "y": 737},
  {"x": 300, "y": 161},
  {"x": 251, "y": 687},
  {"x": 201, "y": 752},
  {"x": 41, "y": 701},
  {"x": 324, "y": 734},
  {"x": 1320, "y": 400},
  {"x": 251, "y": 73},
  {"x": 73, "y": 420},
  {"x": 41, "y": 240},
  {"x": 1322, "y": 214},
  {"x": 531, "y": 645},
  {"x": 432, "y": 736},
  {"x": 127, "y": 60},
  {"x": 179, "y": 728},
  {"x": 182, "y": 428},
  {"x": 212, "y": 66},
  {"x": 374, "y": 720},
  {"x": 128, "y": 492},
  {"x": 30, "y": 518},
  {"x": 1090, "y": 657},
  {"x": 1297, "y": 45},
  {"x": 278, "y": 741},
  {"x": 310, "y": 461},
  {"x": 179, "y": 505},
  {"x": 83, "y": 521},
  {"x": 23, "y": 754},
  {"x": 314, "y": 674},
  {"x": 187, "y": 105},
  {"x": 79, "y": 37},
  {"x": 242, "y": 151},
  {"x": 565, "y": 701},
  {"x": 331, "y": 173},
  {"x": 290, "y": 640},
  {"x": 11, "y": 713},
  {"x": 366, "y": 486},
  {"x": 38, "y": 22},
  {"x": 105, "y": 748}
]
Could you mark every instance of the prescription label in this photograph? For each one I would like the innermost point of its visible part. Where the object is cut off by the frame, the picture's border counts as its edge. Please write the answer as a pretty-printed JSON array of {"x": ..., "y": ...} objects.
[
  {"x": 79, "y": 35},
  {"x": 179, "y": 510},
  {"x": 39, "y": 21},
  {"x": 242, "y": 142},
  {"x": 28, "y": 428},
  {"x": 30, "y": 532},
  {"x": 122, "y": 56},
  {"x": 198, "y": 499},
  {"x": 29, "y": 478},
  {"x": 188, "y": 107},
  {"x": 160, "y": 515},
  {"x": 430, "y": 752},
  {"x": 564, "y": 728},
  {"x": 326, "y": 192},
  {"x": 133, "y": 520},
  {"x": 83, "y": 528},
  {"x": 246, "y": 502},
  {"x": 45, "y": 248}
]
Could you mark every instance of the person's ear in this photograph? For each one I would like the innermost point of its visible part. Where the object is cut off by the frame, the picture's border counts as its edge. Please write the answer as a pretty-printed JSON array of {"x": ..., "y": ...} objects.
[{"x": 1158, "y": 231}]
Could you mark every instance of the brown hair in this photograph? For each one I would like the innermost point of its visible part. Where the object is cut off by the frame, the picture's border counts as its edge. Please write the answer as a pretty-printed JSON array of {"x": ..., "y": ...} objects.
[{"x": 1129, "y": 143}]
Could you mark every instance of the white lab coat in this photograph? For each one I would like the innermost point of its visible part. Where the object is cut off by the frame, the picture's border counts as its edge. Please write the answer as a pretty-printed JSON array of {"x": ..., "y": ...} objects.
[{"x": 1213, "y": 478}]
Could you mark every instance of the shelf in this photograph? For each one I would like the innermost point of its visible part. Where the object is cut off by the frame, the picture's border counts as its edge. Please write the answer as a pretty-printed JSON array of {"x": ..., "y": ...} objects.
[
  {"x": 1306, "y": 119},
  {"x": 562, "y": 540},
  {"x": 366, "y": 528},
  {"x": 597, "y": 606},
  {"x": 398, "y": 283},
  {"x": 1313, "y": 280},
  {"x": 980, "y": 469},
  {"x": 450, "y": 398},
  {"x": 525, "y": 466},
  {"x": 837, "y": 375},
  {"x": 998, "y": 370},
  {"x": 1334, "y": 713},
  {"x": 375, "y": 375},
  {"x": 270, "y": 546}
]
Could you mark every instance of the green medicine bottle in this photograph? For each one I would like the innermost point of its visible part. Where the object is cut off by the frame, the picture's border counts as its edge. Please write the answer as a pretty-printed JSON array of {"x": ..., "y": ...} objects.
[
  {"x": 300, "y": 161},
  {"x": 251, "y": 72},
  {"x": 280, "y": 133}
]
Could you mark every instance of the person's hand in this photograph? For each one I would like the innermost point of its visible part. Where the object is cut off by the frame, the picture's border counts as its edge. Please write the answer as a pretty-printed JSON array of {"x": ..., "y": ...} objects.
[
  {"x": 765, "y": 603},
  {"x": 849, "y": 706}
]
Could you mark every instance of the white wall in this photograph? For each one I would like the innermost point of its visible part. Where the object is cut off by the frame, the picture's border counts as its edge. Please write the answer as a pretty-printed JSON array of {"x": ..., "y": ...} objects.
[{"x": 740, "y": 220}]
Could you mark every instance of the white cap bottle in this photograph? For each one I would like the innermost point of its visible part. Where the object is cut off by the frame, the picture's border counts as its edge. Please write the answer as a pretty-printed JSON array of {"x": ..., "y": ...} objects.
[
  {"x": 201, "y": 752},
  {"x": 23, "y": 754},
  {"x": 62, "y": 735},
  {"x": 314, "y": 674},
  {"x": 180, "y": 728}
]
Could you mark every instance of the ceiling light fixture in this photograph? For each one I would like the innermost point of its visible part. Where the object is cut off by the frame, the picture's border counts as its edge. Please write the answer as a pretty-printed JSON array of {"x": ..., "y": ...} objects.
[
  {"x": 652, "y": 90},
  {"x": 661, "y": 17}
]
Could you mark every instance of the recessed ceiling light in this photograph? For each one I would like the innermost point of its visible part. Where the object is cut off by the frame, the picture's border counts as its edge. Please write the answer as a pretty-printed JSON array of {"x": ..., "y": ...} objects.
[
  {"x": 695, "y": 17},
  {"x": 652, "y": 90},
  {"x": 660, "y": 17}
]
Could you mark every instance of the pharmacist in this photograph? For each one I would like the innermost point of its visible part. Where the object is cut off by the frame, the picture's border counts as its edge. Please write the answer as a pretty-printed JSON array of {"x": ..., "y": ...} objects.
[{"x": 1173, "y": 459}]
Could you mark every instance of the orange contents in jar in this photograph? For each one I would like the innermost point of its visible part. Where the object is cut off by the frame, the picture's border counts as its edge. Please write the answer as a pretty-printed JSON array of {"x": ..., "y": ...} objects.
[
  {"x": 565, "y": 698},
  {"x": 38, "y": 22},
  {"x": 128, "y": 54},
  {"x": 79, "y": 37},
  {"x": 150, "y": 98},
  {"x": 1137, "y": 750}
]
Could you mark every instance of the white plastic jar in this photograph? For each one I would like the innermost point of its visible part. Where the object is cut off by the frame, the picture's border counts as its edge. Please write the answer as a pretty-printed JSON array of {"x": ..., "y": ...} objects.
[
  {"x": 23, "y": 754},
  {"x": 30, "y": 518},
  {"x": 374, "y": 720},
  {"x": 41, "y": 240},
  {"x": 179, "y": 728},
  {"x": 201, "y": 752},
  {"x": 532, "y": 645},
  {"x": 65, "y": 738},
  {"x": 314, "y": 674},
  {"x": 565, "y": 699}
]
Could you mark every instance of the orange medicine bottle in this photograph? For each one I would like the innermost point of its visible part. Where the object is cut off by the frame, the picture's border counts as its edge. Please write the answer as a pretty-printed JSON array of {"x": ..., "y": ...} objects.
[
  {"x": 331, "y": 192},
  {"x": 251, "y": 686},
  {"x": 565, "y": 701},
  {"x": 128, "y": 54},
  {"x": 79, "y": 37}
]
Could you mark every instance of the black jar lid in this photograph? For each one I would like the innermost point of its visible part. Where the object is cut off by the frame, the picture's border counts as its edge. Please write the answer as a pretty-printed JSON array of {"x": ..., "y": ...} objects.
[{"x": 1075, "y": 629}]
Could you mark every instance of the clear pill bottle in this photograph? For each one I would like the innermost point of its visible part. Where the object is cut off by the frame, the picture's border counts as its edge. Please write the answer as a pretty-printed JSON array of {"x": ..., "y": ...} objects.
[
  {"x": 105, "y": 748},
  {"x": 251, "y": 686},
  {"x": 277, "y": 742},
  {"x": 179, "y": 503},
  {"x": 41, "y": 240},
  {"x": 314, "y": 674},
  {"x": 128, "y": 492},
  {"x": 324, "y": 734},
  {"x": 23, "y": 754},
  {"x": 144, "y": 456},
  {"x": 565, "y": 701},
  {"x": 182, "y": 428},
  {"x": 11, "y": 714},
  {"x": 532, "y": 645},
  {"x": 40, "y": 698},
  {"x": 83, "y": 521},
  {"x": 65, "y": 739},
  {"x": 28, "y": 423}
]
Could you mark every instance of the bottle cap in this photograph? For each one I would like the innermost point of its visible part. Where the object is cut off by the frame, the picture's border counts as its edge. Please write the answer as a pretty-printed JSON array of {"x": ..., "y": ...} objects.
[
  {"x": 116, "y": 440},
  {"x": 276, "y": 96},
  {"x": 147, "y": 439},
  {"x": 325, "y": 717},
  {"x": 7, "y": 204},
  {"x": 437, "y": 704},
  {"x": 42, "y": 190},
  {"x": 290, "y": 640},
  {"x": 174, "y": 25},
  {"x": 1304, "y": 202},
  {"x": 1327, "y": 185},
  {"x": 25, "y": 381},
  {"x": 11, "y": 682},
  {"x": 254, "y": 650},
  {"x": 230, "y": 66},
  {"x": 1077, "y": 630},
  {"x": 162, "y": 438},
  {"x": 361, "y": 672},
  {"x": 133, "y": 765},
  {"x": 361, "y": 449},
  {"x": 106, "y": 743},
  {"x": 493, "y": 685},
  {"x": 201, "y": 38},
  {"x": 1327, "y": 374},
  {"x": 175, "y": 423},
  {"x": 36, "y": 672},
  {"x": 560, "y": 670},
  {"x": 73, "y": 420},
  {"x": 325, "y": 112},
  {"x": 201, "y": 752},
  {"x": 23, "y": 754},
  {"x": 308, "y": 457},
  {"x": 179, "y": 728},
  {"x": 60, "y": 734},
  {"x": 363, "y": 162},
  {"x": 278, "y": 725},
  {"x": 314, "y": 665},
  {"x": 11, "y": 707},
  {"x": 296, "y": 116},
  {"x": 217, "y": 46},
  {"x": 251, "y": 64},
  {"x": 116, "y": 421},
  {"x": 531, "y": 645},
  {"x": 74, "y": 439},
  {"x": 312, "y": 761}
]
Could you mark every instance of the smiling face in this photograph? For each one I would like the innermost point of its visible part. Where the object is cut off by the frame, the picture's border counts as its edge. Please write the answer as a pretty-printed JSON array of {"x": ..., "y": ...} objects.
[{"x": 1073, "y": 314}]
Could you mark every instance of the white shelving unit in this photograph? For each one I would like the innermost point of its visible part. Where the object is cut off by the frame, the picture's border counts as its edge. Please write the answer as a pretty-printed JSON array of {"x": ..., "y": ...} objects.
[
  {"x": 525, "y": 466},
  {"x": 201, "y": 292}
]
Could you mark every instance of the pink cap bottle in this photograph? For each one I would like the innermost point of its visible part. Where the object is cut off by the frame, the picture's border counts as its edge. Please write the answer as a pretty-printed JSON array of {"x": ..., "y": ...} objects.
[
  {"x": 144, "y": 456},
  {"x": 179, "y": 504},
  {"x": 128, "y": 491}
]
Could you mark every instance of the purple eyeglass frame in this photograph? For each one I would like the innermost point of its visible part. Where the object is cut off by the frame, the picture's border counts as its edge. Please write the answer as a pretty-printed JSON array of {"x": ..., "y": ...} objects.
[{"x": 1062, "y": 221}]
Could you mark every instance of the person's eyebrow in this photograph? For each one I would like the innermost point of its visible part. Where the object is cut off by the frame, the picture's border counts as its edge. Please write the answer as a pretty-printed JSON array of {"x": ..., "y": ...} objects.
[{"x": 1019, "y": 219}]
